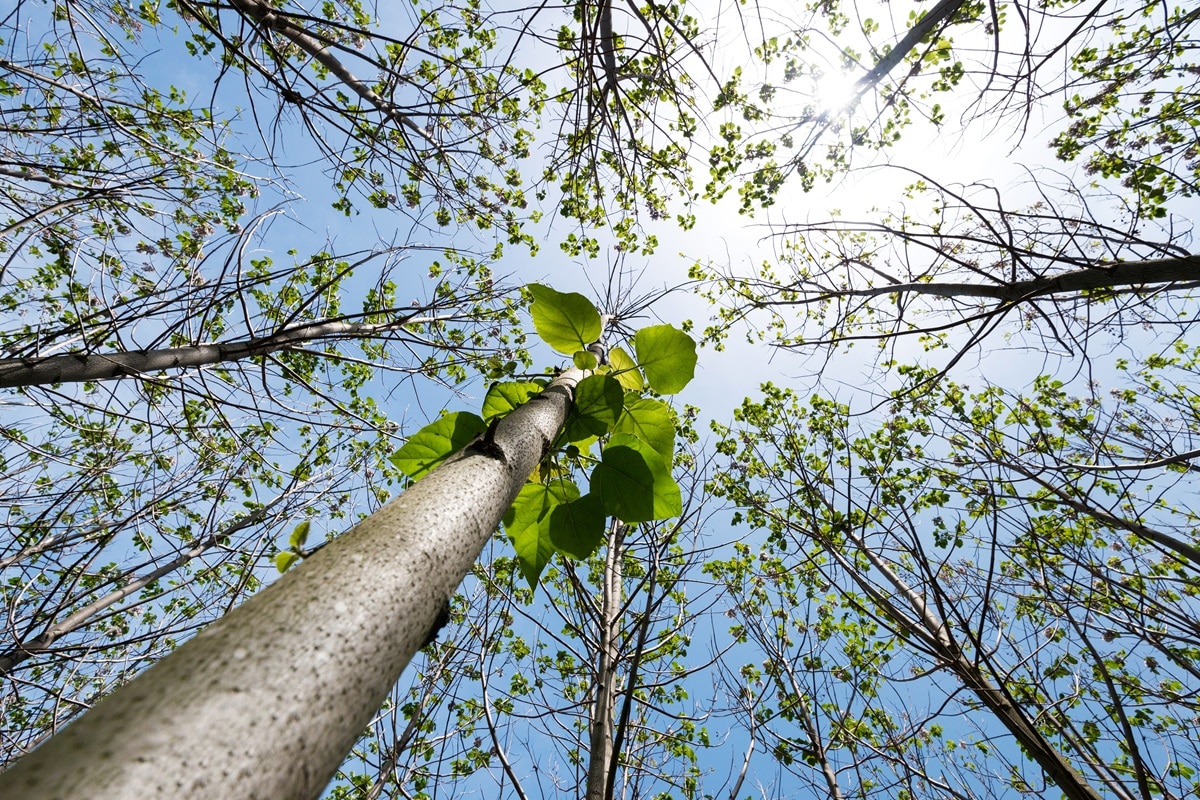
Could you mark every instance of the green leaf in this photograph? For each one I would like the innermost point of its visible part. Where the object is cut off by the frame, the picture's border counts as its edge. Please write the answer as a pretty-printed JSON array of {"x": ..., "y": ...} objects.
[
  {"x": 285, "y": 560},
  {"x": 668, "y": 357},
  {"x": 528, "y": 524},
  {"x": 577, "y": 527},
  {"x": 436, "y": 442},
  {"x": 634, "y": 482},
  {"x": 568, "y": 322},
  {"x": 502, "y": 398},
  {"x": 585, "y": 359},
  {"x": 598, "y": 403},
  {"x": 299, "y": 536},
  {"x": 649, "y": 420},
  {"x": 625, "y": 369}
]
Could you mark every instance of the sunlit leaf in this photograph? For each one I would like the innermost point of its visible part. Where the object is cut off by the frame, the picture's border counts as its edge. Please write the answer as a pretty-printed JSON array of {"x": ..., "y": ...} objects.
[
  {"x": 585, "y": 359},
  {"x": 528, "y": 524},
  {"x": 299, "y": 535},
  {"x": 502, "y": 398},
  {"x": 568, "y": 321},
  {"x": 285, "y": 560},
  {"x": 625, "y": 369},
  {"x": 649, "y": 420},
  {"x": 598, "y": 403},
  {"x": 668, "y": 357},
  {"x": 436, "y": 442}
]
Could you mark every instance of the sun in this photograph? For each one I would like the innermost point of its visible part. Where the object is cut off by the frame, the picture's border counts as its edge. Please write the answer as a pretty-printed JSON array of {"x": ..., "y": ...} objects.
[{"x": 834, "y": 91}]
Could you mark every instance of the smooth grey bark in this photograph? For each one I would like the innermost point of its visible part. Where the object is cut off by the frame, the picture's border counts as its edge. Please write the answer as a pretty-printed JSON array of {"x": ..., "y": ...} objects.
[
  {"x": 72, "y": 368},
  {"x": 267, "y": 702},
  {"x": 600, "y": 755}
]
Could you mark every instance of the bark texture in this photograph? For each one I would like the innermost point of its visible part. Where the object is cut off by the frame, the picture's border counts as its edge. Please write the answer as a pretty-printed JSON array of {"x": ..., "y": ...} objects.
[
  {"x": 267, "y": 702},
  {"x": 76, "y": 368}
]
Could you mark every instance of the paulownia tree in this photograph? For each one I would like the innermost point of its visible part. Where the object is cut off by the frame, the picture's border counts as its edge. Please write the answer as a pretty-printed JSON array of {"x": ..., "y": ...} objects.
[
  {"x": 189, "y": 369},
  {"x": 588, "y": 684},
  {"x": 311, "y": 658}
]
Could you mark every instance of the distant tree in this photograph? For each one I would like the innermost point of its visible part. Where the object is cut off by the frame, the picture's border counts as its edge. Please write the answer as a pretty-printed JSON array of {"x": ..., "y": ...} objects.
[
  {"x": 962, "y": 592},
  {"x": 1064, "y": 255},
  {"x": 997, "y": 590}
]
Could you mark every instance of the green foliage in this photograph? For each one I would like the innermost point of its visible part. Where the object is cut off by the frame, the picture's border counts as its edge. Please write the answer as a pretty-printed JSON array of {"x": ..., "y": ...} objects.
[
  {"x": 436, "y": 442},
  {"x": 634, "y": 481},
  {"x": 599, "y": 401},
  {"x": 632, "y": 478},
  {"x": 1148, "y": 145},
  {"x": 568, "y": 322},
  {"x": 528, "y": 523},
  {"x": 625, "y": 370},
  {"x": 577, "y": 527},
  {"x": 1014, "y": 539},
  {"x": 667, "y": 356},
  {"x": 502, "y": 398}
]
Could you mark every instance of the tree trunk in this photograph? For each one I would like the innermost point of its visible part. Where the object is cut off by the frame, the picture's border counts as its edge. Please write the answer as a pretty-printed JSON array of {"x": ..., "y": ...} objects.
[
  {"x": 600, "y": 759},
  {"x": 267, "y": 702},
  {"x": 77, "y": 368},
  {"x": 1161, "y": 273}
]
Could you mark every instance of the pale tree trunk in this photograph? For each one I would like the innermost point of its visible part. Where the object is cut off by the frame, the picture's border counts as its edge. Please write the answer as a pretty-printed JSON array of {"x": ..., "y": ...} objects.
[
  {"x": 267, "y": 702},
  {"x": 600, "y": 757},
  {"x": 77, "y": 368}
]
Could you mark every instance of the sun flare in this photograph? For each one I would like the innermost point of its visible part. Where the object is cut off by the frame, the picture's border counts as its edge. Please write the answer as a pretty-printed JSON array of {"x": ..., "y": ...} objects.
[{"x": 834, "y": 91}]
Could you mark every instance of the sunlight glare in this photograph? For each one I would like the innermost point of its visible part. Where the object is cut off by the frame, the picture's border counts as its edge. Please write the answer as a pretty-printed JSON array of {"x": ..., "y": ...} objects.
[{"x": 834, "y": 91}]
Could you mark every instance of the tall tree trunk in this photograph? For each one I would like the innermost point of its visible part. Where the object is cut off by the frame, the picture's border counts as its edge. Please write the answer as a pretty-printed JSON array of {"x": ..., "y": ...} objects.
[
  {"x": 600, "y": 757},
  {"x": 267, "y": 702}
]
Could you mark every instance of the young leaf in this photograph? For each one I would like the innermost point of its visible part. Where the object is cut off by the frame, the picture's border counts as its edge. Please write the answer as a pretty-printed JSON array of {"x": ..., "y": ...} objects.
[
  {"x": 528, "y": 524},
  {"x": 668, "y": 357},
  {"x": 502, "y": 398},
  {"x": 634, "y": 482},
  {"x": 436, "y": 442},
  {"x": 285, "y": 560},
  {"x": 598, "y": 403},
  {"x": 625, "y": 369},
  {"x": 568, "y": 322},
  {"x": 649, "y": 420},
  {"x": 299, "y": 536},
  {"x": 577, "y": 527}
]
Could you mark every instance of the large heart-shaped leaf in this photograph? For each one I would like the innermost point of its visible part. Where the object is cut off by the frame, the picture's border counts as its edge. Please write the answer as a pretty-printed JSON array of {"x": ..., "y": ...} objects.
[
  {"x": 528, "y": 524},
  {"x": 577, "y": 527},
  {"x": 568, "y": 321},
  {"x": 502, "y": 398},
  {"x": 436, "y": 442},
  {"x": 668, "y": 357},
  {"x": 649, "y": 420},
  {"x": 634, "y": 482},
  {"x": 598, "y": 402}
]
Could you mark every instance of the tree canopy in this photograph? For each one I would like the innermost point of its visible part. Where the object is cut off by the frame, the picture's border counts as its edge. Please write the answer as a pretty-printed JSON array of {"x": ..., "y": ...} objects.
[{"x": 264, "y": 265}]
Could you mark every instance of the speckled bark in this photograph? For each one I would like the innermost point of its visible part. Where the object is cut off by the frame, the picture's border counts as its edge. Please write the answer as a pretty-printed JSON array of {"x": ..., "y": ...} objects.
[{"x": 266, "y": 702}]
